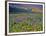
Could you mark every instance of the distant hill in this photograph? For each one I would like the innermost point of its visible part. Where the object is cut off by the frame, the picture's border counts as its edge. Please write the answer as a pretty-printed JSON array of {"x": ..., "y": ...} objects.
[
  {"x": 24, "y": 10},
  {"x": 37, "y": 10}
]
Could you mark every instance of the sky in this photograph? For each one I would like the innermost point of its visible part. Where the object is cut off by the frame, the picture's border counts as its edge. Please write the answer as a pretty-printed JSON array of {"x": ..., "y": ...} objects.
[
  {"x": 18, "y": 7},
  {"x": 25, "y": 5}
]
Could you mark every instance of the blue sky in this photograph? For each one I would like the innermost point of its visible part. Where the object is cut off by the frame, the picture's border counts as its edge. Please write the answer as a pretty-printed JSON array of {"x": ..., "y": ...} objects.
[
  {"x": 25, "y": 5},
  {"x": 17, "y": 7}
]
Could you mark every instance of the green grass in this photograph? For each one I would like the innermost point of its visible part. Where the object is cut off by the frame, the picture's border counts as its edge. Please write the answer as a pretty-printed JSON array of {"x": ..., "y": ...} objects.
[{"x": 34, "y": 23}]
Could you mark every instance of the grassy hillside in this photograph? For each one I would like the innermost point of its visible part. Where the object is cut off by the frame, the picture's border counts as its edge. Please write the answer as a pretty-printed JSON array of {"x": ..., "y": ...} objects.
[{"x": 25, "y": 22}]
